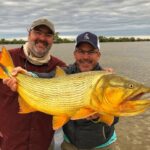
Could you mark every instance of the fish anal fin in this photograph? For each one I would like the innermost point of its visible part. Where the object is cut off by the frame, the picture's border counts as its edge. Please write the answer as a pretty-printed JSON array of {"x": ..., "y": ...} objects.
[
  {"x": 24, "y": 108},
  {"x": 59, "y": 121},
  {"x": 59, "y": 72},
  {"x": 108, "y": 119},
  {"x": 83, "y": 113}
]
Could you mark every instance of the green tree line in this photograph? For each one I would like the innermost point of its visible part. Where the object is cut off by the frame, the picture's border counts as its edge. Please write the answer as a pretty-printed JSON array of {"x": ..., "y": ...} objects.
[
  {"x": 57, "y": 39},
  {"x": 14, "y": 41},
  {"x": 121, "y": 39}
]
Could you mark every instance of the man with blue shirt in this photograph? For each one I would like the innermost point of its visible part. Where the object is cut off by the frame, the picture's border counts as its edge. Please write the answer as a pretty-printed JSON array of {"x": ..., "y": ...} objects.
[{"x": 86, "y": 134}]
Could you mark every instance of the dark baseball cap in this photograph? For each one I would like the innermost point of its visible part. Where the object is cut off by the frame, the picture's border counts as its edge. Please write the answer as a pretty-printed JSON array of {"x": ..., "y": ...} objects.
[{"x": 88, "y": 37}]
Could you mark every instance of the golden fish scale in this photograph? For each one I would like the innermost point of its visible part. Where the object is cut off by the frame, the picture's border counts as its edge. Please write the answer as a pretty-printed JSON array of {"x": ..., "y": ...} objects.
[{"x": 58, "y": 95}]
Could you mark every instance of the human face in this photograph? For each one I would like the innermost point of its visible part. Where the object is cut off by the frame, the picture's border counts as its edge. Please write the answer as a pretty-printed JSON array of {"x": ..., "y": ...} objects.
[
  {"x": 40, "y": 40},
  {"x": 86, "y": 57}
]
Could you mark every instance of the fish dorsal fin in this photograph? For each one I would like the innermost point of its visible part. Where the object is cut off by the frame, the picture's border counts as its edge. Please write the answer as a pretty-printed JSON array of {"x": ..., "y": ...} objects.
[
  {"x": 59, "y": 72},
  {"x": 24, "y": 107},
  {"x": 59, "y": 121},
  {"x": 108, "y": 119},
  {"x": 6, "y": 63},
  {"x": 83, "y": 113}
]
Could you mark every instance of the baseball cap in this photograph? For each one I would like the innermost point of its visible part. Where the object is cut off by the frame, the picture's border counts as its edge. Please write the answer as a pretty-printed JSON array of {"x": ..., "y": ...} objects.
[
  {"x": 43, "y": 21},
  {"x": 88, "y": 37}
]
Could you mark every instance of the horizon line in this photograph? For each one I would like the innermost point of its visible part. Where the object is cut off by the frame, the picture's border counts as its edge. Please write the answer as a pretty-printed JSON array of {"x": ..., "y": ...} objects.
[{"x": 73, "y": 37}]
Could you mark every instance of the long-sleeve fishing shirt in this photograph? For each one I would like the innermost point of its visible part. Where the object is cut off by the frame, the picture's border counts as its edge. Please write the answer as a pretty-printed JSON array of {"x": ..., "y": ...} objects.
[{"x": 31, "y": 131}]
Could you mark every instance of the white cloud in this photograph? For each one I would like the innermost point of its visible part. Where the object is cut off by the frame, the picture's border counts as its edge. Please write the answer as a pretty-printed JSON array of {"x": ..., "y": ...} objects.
[{"x": 103, "y": 17}]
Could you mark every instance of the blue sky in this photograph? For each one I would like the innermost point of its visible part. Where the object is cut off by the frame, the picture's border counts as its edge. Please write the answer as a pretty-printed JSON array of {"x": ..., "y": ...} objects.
[{"x": 103, "y": 17}]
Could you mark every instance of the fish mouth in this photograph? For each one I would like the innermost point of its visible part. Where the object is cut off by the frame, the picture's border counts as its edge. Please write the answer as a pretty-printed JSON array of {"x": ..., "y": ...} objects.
[
  {"x": 138, "y": 97},
  {"x": 135, "y": 105}
]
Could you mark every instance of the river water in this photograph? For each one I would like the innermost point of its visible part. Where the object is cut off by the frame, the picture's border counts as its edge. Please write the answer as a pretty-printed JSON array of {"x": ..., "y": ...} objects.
[
  {"x": 131, "y": 59},
  {"x": 127, "y": 58}
]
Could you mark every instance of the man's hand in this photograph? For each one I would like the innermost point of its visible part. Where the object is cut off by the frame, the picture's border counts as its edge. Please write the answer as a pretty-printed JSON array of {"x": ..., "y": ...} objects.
[
  {"x": 93, "y": 117},
  {"x": 17, "y": 70},
  {"x": 12, "y": 82},
  {"x": 111, "y": 70}
]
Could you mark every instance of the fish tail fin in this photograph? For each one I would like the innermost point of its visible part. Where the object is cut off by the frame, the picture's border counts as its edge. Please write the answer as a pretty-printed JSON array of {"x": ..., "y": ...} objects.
[{"x": 6, "y": 64}]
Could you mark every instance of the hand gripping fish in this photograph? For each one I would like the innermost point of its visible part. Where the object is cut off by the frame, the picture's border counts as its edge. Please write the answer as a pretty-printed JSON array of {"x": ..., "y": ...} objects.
[{"x": 79, "y": 95}]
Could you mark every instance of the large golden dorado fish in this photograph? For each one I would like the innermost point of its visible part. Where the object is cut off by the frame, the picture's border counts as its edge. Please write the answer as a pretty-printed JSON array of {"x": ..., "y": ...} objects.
[{"x": 79, "y": 95}]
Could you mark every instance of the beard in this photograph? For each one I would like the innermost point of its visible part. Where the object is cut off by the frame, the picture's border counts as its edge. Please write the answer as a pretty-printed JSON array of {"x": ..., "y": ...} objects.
[
  {"x": 85, "y": 61},
  {"x": 85, "y": 64},
  {"x": 36, "y": 51}
]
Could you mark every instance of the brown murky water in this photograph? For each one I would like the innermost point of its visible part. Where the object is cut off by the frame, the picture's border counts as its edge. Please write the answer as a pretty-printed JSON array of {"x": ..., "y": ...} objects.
[{"x": 133, "y": 60}]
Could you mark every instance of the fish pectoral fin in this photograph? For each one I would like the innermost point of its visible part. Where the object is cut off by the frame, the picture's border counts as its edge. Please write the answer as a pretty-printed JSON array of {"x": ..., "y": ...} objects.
[
  {"x": 108, "y": 119},
  {"x": 24, "y": 107},
  {"x": 83, "y": 113},
  {"x": 59, "y": 121},
  {"x": 59, "y": 72}
]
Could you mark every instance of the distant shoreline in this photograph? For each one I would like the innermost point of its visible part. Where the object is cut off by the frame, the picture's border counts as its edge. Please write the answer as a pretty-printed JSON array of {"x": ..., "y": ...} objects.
[{"x": 57, "y": 39}]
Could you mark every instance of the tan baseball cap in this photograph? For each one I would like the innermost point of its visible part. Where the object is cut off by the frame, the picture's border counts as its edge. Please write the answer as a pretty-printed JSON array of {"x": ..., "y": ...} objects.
[{"x": 43, "y": 21}]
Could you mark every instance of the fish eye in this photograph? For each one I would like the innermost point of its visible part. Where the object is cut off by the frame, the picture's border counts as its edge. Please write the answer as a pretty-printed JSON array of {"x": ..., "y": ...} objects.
[{"x": 131, "y": 86}]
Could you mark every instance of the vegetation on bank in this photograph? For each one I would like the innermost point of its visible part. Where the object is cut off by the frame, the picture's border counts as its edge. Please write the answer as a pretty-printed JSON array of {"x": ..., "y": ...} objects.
[
  {"x": 121, "y": 39},
  {"x": 65, "y": 40}
]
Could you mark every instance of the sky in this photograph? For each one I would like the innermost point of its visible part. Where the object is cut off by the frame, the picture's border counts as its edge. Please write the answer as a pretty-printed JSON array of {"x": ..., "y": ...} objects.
[{"x": 71, "y": 17}]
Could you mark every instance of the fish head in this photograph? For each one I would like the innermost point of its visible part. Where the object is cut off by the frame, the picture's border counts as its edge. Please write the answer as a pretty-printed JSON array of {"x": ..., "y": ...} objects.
[{"x": 121, "y": 96}]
